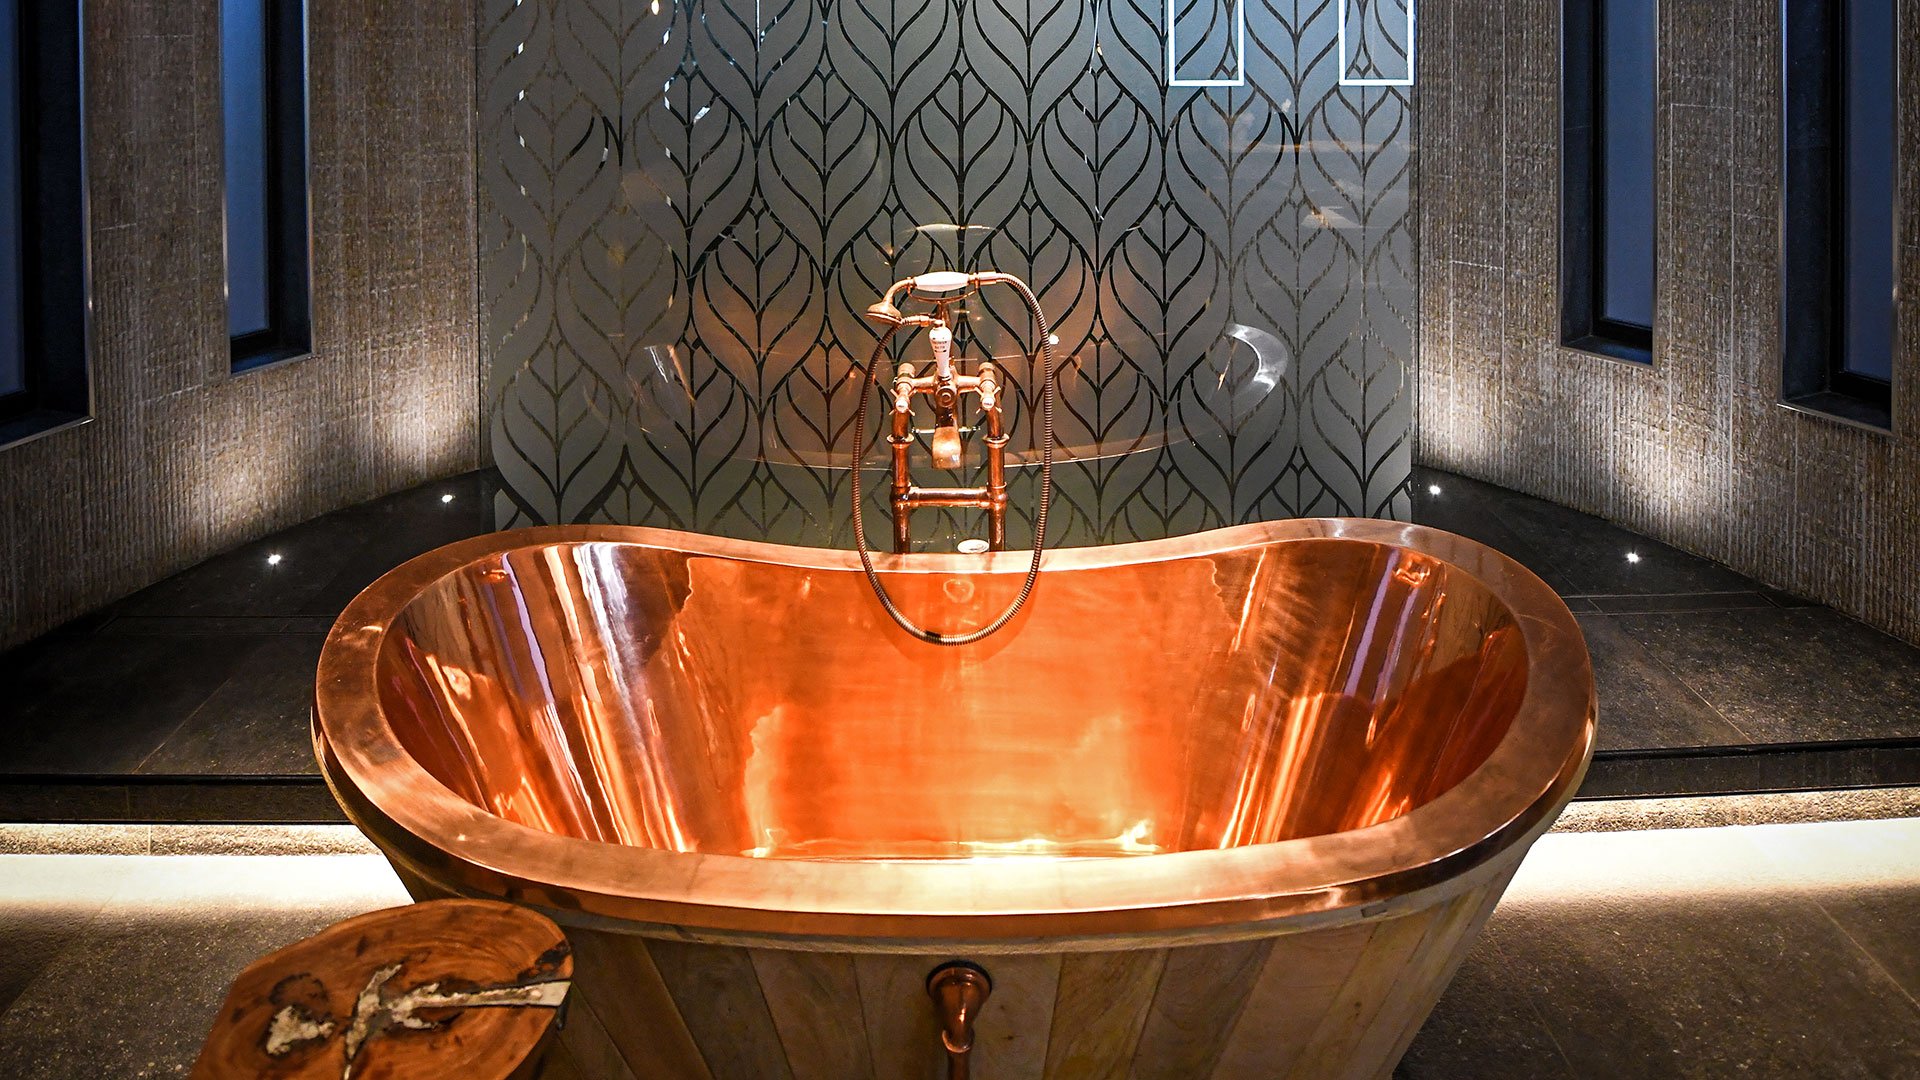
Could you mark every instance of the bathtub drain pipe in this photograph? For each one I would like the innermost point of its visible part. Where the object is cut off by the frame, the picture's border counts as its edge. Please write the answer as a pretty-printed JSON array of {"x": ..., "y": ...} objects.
[{"x": 958, "y": 990}]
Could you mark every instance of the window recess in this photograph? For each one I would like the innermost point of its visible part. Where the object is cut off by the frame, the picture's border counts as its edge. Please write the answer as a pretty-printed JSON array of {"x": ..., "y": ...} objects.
[
  {"x": 263, "y": 68},
  {"x": 1840, "y": 211},
  {"x": 44, "y": 296},
  {"x": 1608, "y": 141}
]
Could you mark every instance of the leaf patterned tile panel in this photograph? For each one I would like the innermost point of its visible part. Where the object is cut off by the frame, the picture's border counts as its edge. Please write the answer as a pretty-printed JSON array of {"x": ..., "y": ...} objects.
[{"x": 687, "y": 205}]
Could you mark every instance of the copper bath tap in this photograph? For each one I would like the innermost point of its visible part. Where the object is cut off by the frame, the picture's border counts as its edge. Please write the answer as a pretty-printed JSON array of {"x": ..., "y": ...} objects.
[{"x": 945, "y": 386}]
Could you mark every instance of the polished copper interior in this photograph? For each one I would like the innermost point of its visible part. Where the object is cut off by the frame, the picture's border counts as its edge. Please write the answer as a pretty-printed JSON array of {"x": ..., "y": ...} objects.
[
  {"x": 1245, "y": 691},
  {"x": 643, "y": 696}
]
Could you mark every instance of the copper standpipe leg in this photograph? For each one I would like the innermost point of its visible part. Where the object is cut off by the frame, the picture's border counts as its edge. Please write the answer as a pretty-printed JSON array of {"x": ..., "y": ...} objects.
[
  {"x": 958, "y": 990},
  {"x": 901, "y": 441},
  {"x": 996, "y": 485}
]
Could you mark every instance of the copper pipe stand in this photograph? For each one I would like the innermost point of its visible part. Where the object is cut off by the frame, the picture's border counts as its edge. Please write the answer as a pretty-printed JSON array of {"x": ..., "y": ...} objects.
[{"x": 908, "y": 496}]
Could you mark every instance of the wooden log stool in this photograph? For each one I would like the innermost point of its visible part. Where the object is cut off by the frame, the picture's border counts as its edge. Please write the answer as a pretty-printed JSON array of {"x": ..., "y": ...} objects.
[{"x": 463, "y": 989}]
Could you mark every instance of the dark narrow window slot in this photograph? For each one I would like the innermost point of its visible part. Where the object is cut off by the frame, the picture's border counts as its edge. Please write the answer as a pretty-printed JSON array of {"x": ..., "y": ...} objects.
[
  {"x": 43, "y": 222},
  {"x": 1839, "y": 251},
  {"x": 13, "y": 360},
  {"x": 268, "y": 228},
  {"x": 1608, "y": 147},
  {"x": 1867, "y": 198}
]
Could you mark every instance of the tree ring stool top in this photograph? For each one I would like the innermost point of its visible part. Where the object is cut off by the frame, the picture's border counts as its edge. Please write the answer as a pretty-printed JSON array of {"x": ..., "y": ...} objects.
[{"x": 460, "y": 989}]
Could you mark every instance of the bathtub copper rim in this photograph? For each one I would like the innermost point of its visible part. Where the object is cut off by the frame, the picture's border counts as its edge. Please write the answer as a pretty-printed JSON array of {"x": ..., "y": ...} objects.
[{"x": 445, "y": 839}]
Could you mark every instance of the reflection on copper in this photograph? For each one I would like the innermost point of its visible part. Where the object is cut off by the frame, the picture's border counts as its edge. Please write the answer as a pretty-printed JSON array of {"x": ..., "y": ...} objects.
[{"x": 1262, "y": 720}]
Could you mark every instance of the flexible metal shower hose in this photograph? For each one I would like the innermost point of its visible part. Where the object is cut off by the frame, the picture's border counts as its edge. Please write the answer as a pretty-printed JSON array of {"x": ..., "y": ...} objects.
[{"x": 1046, "y": 482}]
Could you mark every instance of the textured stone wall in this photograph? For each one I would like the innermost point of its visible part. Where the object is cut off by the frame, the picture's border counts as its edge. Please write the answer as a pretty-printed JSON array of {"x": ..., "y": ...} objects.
[
  {"x": 184, "y": 460},
  {"x": 1695, "y": 450}
]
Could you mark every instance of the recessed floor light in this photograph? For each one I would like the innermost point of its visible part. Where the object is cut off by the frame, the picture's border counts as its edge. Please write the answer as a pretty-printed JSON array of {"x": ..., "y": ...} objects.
[
  {"x": 1633, "y": 556},
  {"x": 446, "y": 498},
  {"x": 1433, "y": 489},
  {"x": 273, "y": 559}
]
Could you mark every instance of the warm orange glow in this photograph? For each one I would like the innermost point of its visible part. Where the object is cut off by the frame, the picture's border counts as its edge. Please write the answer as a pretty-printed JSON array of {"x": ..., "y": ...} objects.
[{"x": 1242, "y": 698}]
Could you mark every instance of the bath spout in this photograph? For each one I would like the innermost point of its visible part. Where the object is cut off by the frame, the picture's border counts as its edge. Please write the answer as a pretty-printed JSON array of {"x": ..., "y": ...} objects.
[
  {"x": 958, "y": 990},
  {"x": 946, "y": 447}
]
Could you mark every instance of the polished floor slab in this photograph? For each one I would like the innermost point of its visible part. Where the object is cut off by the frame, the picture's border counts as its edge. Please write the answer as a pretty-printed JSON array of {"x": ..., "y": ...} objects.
[
  {"x": 1686, "y": 652},
  {"x": 210, "y": 672},
  {"x": 1762, "y": 950}
]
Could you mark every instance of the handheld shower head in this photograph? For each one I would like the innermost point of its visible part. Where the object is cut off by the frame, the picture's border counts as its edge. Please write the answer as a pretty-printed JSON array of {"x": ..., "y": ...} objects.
[
  {"x": 887, "y": 312},
  {"x": 940, "y": 281}
]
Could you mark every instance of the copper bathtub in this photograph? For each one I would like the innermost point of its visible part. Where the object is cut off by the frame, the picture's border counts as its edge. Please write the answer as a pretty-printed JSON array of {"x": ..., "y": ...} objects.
[{"x": 1227, "y": 805}]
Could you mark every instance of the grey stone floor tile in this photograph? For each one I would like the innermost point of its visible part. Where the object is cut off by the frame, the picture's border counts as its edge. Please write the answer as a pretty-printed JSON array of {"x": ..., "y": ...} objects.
[
  {"x": 1578, "y": 554},
  {"x": 187, "y": 677},
  {"x": 132, "y": 992},
  {"x": 1642, "y": 704},
  {"x": 1790, "y": 675},
  {"x": 106, "y": 702},
  {"x": 393, "y": 530},
  {"x": 1679, "y": 602},
  {"x": 1881, "y": 918},
  {"x": 1592, "y": 554},
  {"x": 33, "y": 935},
  {"x": 1485, "y": 1028},
  {"x": 171, "y": 974},
  {"x": 324, "y": 562},
  {"x": 1709, "y": 986},
  {"x": 1885, "y": 923},
  {"x": 256, "y": 723},
  {"x": 248, "y": 581},
  {"x": 1788, "y": 600},
  {"x": 1691, "y": 952},
  {"x": 1464, "y": 507},
  {"x": 39, "y": 920},
  {"x": 181, "y": 625}
]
